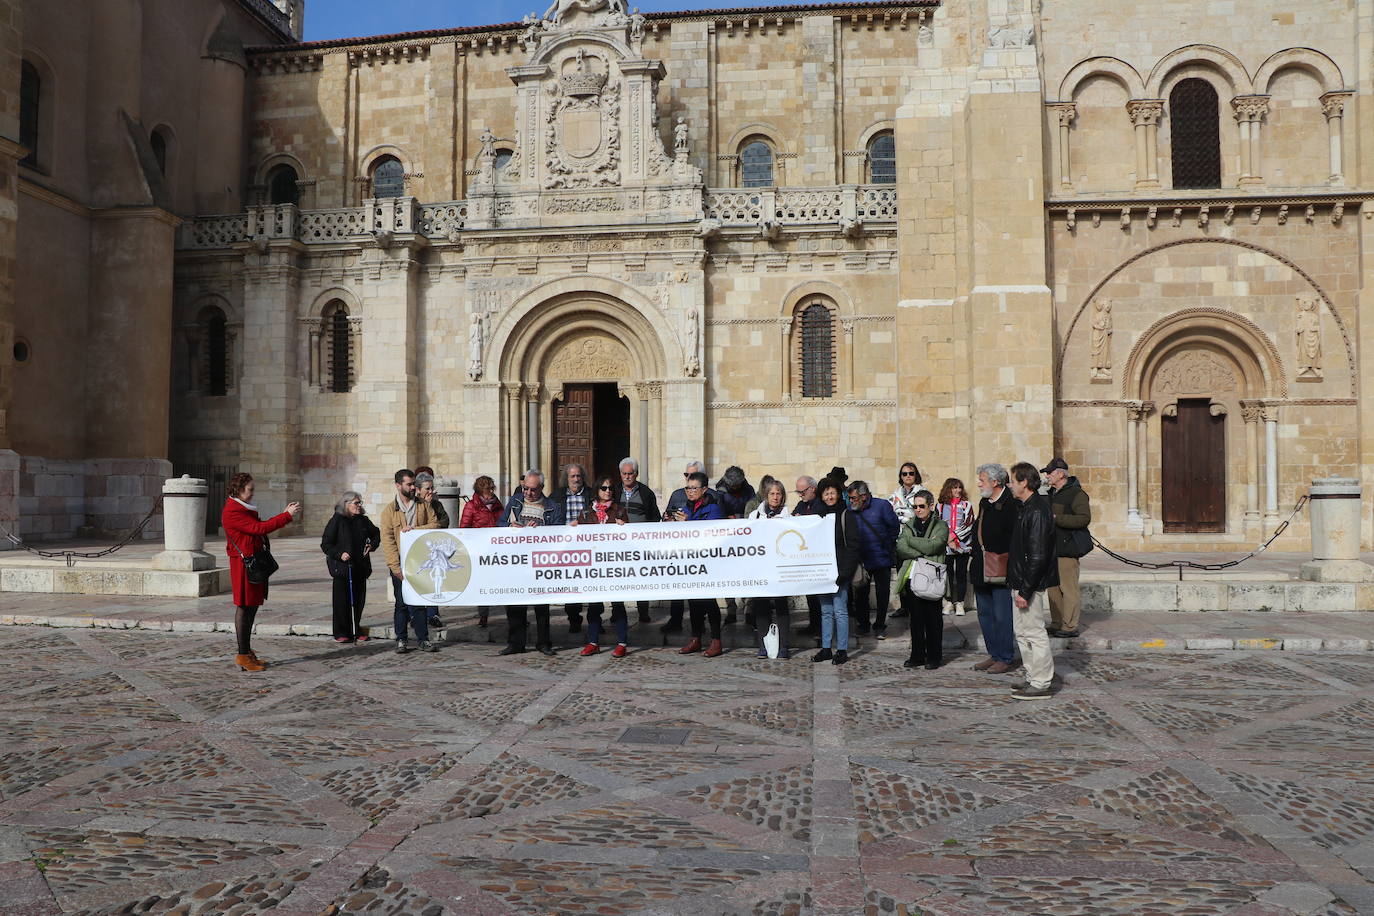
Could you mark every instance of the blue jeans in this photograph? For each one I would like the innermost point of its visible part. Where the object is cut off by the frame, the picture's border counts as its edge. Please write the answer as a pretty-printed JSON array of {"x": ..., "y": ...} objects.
[
  {"x": 622, "y": 629},
  {"x": 994, "y": 618},
  {"x": 416, "y": 616},
  {"x": 835, "y": 616}
]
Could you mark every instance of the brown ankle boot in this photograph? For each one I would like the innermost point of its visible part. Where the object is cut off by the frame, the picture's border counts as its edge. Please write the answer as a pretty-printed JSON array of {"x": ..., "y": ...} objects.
[
  {"x": 249, "y": 663},
  {"x": 693, "y": 646},
  {"x": 714, "y": 649}
]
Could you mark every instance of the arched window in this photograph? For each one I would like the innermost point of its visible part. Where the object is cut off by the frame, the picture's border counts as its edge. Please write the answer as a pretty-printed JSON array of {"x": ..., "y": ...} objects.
[
  {"x": 756, "y": 165},
  {"x": 158, "y": 141},
  {"x": 388, "y": 178},
  {"x": 503, "y": 158},
  {"x": 30, "y": 89},
  {"x": 1194, "y": 126},
  {"x": 338, "y": 349},
  {"x": 281, "y": 185},
  {"x": 882, "y": 159},
  {"x": 817, "y": 351},
  {"x": 216, "y": 355}
]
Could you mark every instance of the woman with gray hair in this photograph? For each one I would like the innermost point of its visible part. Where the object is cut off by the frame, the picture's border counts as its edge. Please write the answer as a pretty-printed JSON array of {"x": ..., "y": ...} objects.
[{"x": 348, "y": 540}]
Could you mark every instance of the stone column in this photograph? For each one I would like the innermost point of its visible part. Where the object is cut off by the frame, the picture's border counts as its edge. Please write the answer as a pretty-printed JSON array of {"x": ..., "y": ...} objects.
[
  {"x": 1144, "y": 115},
  {"x": 847, "y": 359},
  {"x": 1333, "y": 107},
  {"x": 184, "y": 504},
  {"x": 1251, "y": 412},
  {"x": 1249, "y": 112},
  {"x": 532, "y": 428},
  {"x": 1065, "y": 112},
  {"x": 784, "y": 341},
  {"x": 1135, "y": 416},
  {"x": 1270, "y": 415},
  {"x": 1335, "y": 511},
  {"x": 641, "y": 76},
  {"x": 513, "y": 432}
]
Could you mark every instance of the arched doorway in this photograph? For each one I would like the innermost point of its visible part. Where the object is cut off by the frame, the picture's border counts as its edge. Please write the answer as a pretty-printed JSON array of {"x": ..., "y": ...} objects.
[
  {"x": 581, "y": 373},
  {"x": 1205, "y": 380}
]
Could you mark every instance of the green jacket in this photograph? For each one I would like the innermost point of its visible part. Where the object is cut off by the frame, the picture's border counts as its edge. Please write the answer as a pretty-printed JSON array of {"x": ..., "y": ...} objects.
[{"x": 911, "y": 546}]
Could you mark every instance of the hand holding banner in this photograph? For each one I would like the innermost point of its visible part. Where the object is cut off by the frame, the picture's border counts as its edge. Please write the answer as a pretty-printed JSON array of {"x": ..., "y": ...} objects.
[{"x": 741, "y": 558}]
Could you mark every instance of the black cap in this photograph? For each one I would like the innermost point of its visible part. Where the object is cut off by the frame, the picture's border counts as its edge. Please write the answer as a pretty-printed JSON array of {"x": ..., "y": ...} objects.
[
  {"x": 838, "y": 474},
  {"x": 1058, "y": 464}
]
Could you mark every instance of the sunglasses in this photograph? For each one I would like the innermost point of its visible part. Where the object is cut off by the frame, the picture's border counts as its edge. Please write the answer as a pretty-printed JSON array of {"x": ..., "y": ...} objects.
[
  {"x": 908, "y": 473},
  {"x": 604, "y": 487}
]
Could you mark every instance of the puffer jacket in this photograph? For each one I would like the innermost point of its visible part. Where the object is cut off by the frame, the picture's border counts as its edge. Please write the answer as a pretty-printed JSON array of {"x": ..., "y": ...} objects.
[
  {"x": 706, "y": 508},
  {"x": 878, "y": 528},
  {"x": 481, "y": 513},
  {"x": 1033, "y": 565}
]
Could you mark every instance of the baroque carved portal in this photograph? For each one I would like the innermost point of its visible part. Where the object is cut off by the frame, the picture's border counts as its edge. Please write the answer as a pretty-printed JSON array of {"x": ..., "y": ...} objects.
[
  {"x": 1195, "y": 372},
  {"x": 591, "y": 358},
  {"x": 583, "y": 125}
]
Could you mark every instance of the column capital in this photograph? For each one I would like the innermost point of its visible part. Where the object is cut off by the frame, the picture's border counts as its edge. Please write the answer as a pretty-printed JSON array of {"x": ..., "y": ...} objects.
[
  {"x": 1250, "y": 108},
  {"x": 1066, "y": 111},
  {"x": 1138, "y": 410},
  {"x": 1333, "y": 103},
  {"x": 1145, "y": 112}
]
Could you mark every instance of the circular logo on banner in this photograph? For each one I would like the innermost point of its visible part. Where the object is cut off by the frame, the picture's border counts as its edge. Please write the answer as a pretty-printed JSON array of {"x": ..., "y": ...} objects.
[
  {"x": 437, "y": 566},
  {"x": 791, "y": 544}
]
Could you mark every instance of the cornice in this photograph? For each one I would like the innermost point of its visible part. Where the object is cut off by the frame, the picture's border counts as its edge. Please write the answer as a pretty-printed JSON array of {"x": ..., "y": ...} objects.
[
  {"x": 48, "y": 196},
  {"x": 1217, "y": 199}
]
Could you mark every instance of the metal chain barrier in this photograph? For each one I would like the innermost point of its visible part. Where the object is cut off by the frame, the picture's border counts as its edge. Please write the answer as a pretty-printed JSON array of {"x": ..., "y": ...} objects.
[
  {"x": 1181, "y": 565},
  {"x": 71, "y": 556}
]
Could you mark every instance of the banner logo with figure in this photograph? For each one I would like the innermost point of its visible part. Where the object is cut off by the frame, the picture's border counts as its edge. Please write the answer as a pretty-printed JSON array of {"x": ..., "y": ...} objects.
[{"x": 741, "y": 558}]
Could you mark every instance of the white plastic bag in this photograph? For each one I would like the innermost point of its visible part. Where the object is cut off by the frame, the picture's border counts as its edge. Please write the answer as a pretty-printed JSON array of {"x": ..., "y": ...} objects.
[{"x": 770, "y": 641}]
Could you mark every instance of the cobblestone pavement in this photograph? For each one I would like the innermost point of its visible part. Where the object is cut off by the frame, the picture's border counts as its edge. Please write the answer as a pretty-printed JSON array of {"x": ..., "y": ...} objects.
[{"x": 140, "y": 772}]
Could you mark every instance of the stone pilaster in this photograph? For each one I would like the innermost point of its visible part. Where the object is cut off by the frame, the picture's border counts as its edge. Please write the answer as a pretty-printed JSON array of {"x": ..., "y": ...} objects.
[
  {"x": 270, "y": 388},
  {"x": 387, "y": 393},
  {"x": 820, "y": 115}
]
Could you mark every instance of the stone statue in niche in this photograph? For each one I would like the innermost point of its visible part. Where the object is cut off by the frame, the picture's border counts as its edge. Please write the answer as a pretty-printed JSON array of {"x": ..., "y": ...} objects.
[
  {"x": 680, "y": 133},
  {"x": 475, "y": 335},
  {"x": 1102, "y": 339},
  {"x": 488, "y": 141},
  {"x": 692, "y": 364},
  {"x": 1309, "y": 332}
]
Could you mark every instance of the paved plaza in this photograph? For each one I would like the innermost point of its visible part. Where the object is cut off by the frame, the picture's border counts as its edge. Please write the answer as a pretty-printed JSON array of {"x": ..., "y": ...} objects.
[{"x": 141, "y": 772}]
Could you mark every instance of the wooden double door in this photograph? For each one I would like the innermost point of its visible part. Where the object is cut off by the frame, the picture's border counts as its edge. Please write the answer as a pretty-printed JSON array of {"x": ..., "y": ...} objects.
[
  {"x": 591, "y": 426},
  {"x": 1193, "y": 468}
]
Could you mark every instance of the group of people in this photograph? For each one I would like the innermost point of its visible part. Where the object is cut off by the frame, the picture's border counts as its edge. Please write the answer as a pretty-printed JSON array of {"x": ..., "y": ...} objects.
[{"x": 1017, "y": 552}]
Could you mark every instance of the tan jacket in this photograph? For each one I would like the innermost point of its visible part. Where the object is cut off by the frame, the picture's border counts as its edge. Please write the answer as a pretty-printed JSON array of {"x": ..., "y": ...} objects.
[{"x": 393, "y": 520}]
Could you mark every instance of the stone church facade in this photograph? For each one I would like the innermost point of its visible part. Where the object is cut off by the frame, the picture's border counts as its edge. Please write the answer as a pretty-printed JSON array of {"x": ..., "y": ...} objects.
[{"x": 788, "y": 238}]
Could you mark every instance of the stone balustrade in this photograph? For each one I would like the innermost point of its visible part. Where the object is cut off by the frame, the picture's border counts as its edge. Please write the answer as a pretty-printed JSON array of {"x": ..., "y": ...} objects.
[{"x": 845, "y": 204}]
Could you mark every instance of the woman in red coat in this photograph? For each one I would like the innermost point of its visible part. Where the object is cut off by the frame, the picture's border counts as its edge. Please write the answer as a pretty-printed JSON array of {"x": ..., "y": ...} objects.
[
  {"x": 246, "y": 533},
  {"x": 482, "y": 511}
]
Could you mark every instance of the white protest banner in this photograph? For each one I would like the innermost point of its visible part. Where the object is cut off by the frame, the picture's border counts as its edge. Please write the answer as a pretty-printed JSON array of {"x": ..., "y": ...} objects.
[{"x": 649, "y": 562}]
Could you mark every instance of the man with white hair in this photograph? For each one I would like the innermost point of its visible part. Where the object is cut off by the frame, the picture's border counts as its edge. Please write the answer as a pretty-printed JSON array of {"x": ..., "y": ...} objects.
[
  {"x": 641, "y": 505},
  {"x": 530, "y": 508}
]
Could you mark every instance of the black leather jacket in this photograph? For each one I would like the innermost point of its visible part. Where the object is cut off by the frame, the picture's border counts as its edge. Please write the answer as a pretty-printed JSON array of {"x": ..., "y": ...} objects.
[{"x": 1033, "y": 565}]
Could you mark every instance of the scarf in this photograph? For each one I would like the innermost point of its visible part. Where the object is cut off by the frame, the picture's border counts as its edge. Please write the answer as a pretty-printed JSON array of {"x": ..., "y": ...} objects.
[
  {"x": 249, "y": 506},
  {"x": 770, "y": 512},
  {"x": 954, "y": 503},
  {"x": 602, "y": 508}
]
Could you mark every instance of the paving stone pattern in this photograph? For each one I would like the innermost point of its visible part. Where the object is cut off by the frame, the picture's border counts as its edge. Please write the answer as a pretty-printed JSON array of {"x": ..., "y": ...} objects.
[{"x": 141, "y": 773}]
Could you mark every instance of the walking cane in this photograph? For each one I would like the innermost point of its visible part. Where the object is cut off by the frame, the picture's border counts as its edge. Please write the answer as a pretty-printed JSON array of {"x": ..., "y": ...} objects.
[{"x": 352, "y": 615}]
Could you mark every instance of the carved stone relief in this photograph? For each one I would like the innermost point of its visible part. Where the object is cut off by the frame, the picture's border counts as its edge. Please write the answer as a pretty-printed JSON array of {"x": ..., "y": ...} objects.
[
  {"x": 1195, "y": 372},
  {"x": 591, "y": 358},
  {"x": 1102, "y": 340},
  {"x": 1309, "y": 334}
]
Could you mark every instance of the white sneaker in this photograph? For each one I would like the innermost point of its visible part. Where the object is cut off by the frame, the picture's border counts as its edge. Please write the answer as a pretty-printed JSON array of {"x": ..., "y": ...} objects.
[{"x": 959, "y": 610}]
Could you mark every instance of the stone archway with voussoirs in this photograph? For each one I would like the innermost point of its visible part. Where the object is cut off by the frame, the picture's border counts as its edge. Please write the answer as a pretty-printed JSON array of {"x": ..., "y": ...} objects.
[
  {"x": 588, "y": 330},
  {"x": 1219, "y": 362}
]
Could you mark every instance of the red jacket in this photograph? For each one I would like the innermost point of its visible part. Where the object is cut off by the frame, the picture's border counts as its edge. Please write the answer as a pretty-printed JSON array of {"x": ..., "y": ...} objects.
[
  {"x": 244, "y": 530},
  {"x": 477, "y": 514}
]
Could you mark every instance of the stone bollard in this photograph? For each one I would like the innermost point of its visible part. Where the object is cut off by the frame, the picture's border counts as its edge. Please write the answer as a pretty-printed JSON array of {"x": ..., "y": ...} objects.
[
  {"x": 184, "y": 504},
  {"x": 448, "y": 494},
  {"x": 1334, "y": 511}
]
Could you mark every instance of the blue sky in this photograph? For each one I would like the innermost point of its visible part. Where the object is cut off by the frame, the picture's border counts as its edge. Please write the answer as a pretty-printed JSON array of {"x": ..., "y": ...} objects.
[{"x": 325, "y": 19}]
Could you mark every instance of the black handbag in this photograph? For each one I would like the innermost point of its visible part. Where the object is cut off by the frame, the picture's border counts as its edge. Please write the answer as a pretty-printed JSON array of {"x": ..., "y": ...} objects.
[
  {"x": 260, "y": 566},
  {"x": 338, "y": 569}
]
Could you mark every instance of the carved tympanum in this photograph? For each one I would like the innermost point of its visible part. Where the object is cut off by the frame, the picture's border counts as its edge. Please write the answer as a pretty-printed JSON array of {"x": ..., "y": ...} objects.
[
  {"x": 1195, "y": 372},
  {"x": 591, "y": 358}
]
